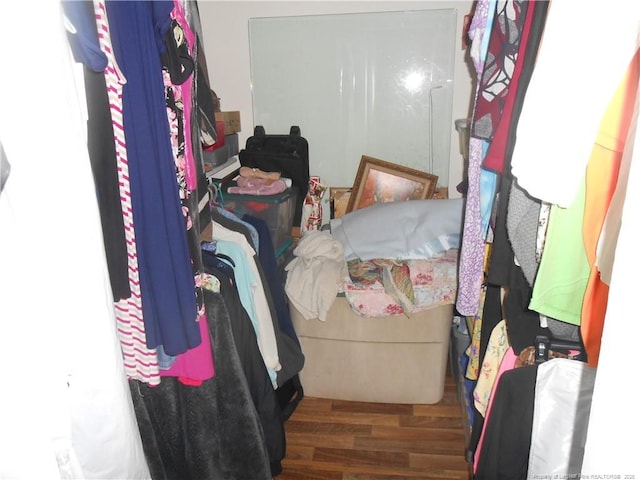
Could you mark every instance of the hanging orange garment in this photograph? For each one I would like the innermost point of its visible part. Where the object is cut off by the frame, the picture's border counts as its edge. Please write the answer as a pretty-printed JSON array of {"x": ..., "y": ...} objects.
[{"x": 601, "y": 180}]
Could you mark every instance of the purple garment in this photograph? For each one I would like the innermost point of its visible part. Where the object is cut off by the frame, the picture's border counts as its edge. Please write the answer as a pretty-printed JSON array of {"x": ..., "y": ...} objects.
[
  {"x": 479, "y": 25},
  {"x": 471, "y": 262}
]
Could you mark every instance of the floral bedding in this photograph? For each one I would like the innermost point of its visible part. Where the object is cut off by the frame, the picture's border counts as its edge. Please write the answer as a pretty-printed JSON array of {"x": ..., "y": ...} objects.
[{"x": 382, "y": 287}]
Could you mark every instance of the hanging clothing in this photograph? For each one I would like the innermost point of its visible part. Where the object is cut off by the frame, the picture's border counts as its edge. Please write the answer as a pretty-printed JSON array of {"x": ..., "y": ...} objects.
[
  {"x": 523, "y": 324},
  {"x": 601, "y": 180},
  {"x": 567, "y": 267},
  {"x": 140, "y": 361},
  {"x": 231, "y": 221},
  {"x": 166, "y": 277},
  {"x": 552, "y": 150},
  {"x": 501, "y": 148},
  {"x": 102, "y": 153},
  {"x": 470, "y": 265},
  {"x": 508, "y": 363},
  {"x": 211, "y": 431},
  {"x": 493, "y": 356},
  {"x": 503, "y": 275},
  {"x": 178, "y": 67},
  {"x": 66, "y": 410},
  {"x": 196, "y": 364},
  {"x": 523, "y": 221},
  {"x": 609, "y": 417},
  {"x": 251, "y": 292},
  {"x": 185, "y": 41},
  {"x": 263, "y": 395},
  {"x": 562, "y": 403},
  {"x": 274, "y": 280},
  {"x": 507, "y": 437},
  {"x": 499, "y": 66},
  {"x": 473, "y": 352},
  {"x": 564, "y": 271}
]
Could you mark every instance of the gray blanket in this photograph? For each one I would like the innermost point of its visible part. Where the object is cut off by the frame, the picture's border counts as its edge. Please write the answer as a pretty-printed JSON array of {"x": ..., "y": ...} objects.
[{"x": 400, "y": 230}]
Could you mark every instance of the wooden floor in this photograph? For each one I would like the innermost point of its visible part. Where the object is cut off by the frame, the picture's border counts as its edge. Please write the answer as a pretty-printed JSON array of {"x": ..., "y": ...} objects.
[{"x": 339, "y": 440}]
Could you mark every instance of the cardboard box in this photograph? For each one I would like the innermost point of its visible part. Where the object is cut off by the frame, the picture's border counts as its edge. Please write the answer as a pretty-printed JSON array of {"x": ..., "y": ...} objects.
[{"x": 231, "y": 121}]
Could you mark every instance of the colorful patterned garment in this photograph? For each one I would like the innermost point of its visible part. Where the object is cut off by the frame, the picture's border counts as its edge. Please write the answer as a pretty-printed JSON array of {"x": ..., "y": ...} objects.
[
  {"x": 473, "y": 352},
  {"x": 472, "y": 246},
  {"x": 186, "y": 41},
  {"x": 177, "y": 74},
  {"x": 499, "y": 65},
  {"x": 499, "y": 153},
  {"x": 394, "y": 275},
  {"x": 496, "y": 349},
  {"x": 494, "y": 68},
  {"x": 380, "y": 287}
]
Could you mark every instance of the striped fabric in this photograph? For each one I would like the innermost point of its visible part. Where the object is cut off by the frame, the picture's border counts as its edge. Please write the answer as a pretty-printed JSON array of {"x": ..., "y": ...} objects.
[{"x": 140, "y": 362}]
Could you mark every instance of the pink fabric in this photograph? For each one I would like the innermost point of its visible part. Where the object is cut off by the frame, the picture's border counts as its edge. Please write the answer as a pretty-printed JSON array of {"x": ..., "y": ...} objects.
[
  {"x": 191, "y": 175},
  {"x": 434, "y": 282},
  {"x": 196, "y": 364},
  {"x": 258, "y": 186},
  {"x": 508, "y": 363}
]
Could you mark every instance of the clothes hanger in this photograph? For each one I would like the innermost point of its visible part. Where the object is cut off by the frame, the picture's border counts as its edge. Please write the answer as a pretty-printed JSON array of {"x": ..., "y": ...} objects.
[
  {"x": 215, "y": 194},
  {"x": 544, "y": 344},
  {"x": 212, "y": 255}
]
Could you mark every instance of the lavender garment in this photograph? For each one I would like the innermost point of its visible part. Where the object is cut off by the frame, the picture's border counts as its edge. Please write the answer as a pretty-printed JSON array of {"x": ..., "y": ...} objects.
[
  {"x": 483, "y": 14},
  {"x": 472, "y": 248}
]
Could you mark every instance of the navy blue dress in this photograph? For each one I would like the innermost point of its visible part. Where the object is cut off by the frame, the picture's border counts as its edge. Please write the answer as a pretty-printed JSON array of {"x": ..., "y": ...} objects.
[{"x": 166, "y": 277}]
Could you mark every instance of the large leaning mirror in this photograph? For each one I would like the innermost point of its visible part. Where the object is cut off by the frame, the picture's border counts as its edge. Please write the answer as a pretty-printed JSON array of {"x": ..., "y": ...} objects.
[{"x": 377, "y": 84}]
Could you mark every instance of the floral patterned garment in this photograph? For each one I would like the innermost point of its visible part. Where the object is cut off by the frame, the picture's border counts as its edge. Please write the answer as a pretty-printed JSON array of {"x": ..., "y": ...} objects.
[
  {"x": 473, "y": 352},
  {"x": 175, "y": 95},
  {"x": 496, "y": 349},
  {"x": 433, "y": 282}
]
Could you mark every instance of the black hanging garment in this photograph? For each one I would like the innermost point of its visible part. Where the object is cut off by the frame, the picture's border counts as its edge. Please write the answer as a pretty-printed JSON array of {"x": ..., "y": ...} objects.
[
  {"x": 287, "y": 154},
  {"x": 505, "y": 450},
  {"x": 256, "y": 376},
  {"x": 102, "y": 151},
  {"x": 227, "y": 428},
  {"x": 289, "y": 391}
]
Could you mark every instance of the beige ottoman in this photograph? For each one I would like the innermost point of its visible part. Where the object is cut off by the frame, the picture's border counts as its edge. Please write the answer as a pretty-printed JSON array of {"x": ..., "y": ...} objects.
[{"x": 375, "y": 359}]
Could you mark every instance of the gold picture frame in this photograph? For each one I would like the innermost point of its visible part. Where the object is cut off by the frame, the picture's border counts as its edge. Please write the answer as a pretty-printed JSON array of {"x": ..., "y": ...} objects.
[{"x": 379, "y": 181}]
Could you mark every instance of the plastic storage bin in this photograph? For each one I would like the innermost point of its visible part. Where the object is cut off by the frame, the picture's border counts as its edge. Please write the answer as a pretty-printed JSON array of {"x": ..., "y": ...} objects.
[{"x": 276, "y": 210}]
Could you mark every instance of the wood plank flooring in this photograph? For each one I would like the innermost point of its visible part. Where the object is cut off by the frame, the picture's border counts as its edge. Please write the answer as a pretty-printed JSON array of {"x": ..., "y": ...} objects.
[{"x": 340, "y": 440}]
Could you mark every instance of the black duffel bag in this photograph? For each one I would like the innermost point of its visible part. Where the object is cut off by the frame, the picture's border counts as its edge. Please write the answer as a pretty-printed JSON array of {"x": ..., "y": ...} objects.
[{"x": 287, "y": 154}]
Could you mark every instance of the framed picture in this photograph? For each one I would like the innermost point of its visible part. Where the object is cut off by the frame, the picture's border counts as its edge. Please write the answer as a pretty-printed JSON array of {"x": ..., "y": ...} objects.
[
  {"x": 338, "y": 200},
  {"x": 378, "y": 181}
]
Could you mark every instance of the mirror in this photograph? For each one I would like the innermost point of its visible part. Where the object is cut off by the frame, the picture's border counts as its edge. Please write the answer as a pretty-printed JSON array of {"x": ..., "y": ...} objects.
[{"x": 377, "y": 84}]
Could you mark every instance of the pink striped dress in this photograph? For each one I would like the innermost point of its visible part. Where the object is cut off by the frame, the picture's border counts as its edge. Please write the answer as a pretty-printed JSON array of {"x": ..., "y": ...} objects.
[{"x": 140, "y": 362}]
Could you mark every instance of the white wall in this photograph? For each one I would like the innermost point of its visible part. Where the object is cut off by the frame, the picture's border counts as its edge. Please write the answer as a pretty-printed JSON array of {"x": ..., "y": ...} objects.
[{"x": 226, "y": 45}]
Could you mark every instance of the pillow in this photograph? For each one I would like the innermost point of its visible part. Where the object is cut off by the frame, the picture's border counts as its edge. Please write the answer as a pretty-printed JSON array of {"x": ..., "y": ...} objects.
[{"x": 407, "y": 230}]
